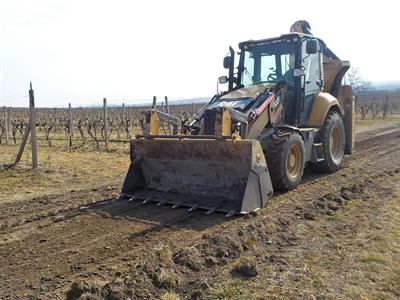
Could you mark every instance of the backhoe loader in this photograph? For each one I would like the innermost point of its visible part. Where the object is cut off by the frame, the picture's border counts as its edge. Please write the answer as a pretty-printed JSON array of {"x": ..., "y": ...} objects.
[{"x": 284, "y": 107}]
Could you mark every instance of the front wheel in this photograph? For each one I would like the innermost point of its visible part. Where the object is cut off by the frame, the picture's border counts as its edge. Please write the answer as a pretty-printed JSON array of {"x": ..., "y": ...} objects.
[
  {"x": 285, "y": 159},
  {"x": 332, "y": 136}
]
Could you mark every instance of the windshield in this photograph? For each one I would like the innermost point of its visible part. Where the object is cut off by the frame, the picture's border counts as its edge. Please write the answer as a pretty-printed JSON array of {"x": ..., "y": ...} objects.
[{"x": 269, "y": 62}]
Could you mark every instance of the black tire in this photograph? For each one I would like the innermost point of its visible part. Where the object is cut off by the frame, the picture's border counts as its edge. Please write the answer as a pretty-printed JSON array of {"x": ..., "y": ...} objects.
[
  {"x": 278, "y": 154},
  {"x": 333, "y": 125}
]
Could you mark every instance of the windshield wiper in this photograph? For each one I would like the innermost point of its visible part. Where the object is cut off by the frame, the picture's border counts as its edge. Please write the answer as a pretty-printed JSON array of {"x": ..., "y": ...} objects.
[{"x": 249, "y": 75}]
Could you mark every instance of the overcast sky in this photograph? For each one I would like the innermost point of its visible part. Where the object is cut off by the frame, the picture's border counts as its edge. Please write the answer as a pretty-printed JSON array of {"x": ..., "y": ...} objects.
[{"x": 82, "y": 51}]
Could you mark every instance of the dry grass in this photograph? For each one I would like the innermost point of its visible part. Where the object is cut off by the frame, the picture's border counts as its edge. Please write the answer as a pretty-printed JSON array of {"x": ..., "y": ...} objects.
[
  {"x": 377, "y": 123},
  {"x": 61, "y": 170},
  {"x": 170, "y": 296}
]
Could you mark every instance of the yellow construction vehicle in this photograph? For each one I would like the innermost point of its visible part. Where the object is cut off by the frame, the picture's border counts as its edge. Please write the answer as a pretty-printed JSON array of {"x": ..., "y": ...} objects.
[{"x": 285, "y": 107}]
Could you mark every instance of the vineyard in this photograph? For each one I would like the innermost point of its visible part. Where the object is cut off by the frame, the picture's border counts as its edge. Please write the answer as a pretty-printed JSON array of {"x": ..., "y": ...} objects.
[
  {"x": 76, "y": 127},
  {"x": 86, "y": 126}
]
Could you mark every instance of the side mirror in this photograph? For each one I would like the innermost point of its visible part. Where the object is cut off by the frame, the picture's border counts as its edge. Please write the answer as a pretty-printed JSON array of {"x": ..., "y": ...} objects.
[
  {"x": 227, "y": 62},
  {"x": 222, "y": 80},
  {"x": 312, "y": 46}
]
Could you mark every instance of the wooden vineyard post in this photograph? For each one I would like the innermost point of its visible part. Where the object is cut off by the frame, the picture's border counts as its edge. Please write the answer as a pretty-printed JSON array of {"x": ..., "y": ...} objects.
[
  {"x": 166, "y": 105},
  {"x": 71, "y": 130},
  {"x": 9, "y": 119},
  {"x": 105, "y": 123},
  {"x": 168, "y": 112},
  {"x": 154, "y": 102},
  {"x": 123, "y": 114},
  {"x": 6, "y": 123},
  {"x": 32, "y": 123}
]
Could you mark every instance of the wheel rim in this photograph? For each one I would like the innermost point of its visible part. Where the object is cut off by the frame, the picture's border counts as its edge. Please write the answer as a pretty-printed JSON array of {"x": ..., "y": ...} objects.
[
  {"x": 293, "y": 162},
  {"x": 335, "y": 143}
]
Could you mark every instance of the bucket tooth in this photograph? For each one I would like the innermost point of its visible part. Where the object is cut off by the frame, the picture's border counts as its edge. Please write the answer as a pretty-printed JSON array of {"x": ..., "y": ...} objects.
[
  {"x": 230, "y": 214},
  {"x": 162, "y": 202},
  {"x": 147, "y": 200},
  {"x": 211, "y": 211},
  {"x": 134, "y": 197},
  {"x": 193, "y": 208}
]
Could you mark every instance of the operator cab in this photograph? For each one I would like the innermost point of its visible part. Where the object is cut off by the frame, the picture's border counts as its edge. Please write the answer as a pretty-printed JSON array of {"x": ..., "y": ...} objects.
[{"x": 295, "y": 59}]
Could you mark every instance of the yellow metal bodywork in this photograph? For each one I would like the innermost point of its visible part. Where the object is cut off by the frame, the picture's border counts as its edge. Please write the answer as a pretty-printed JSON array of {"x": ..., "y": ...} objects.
[
  {"x": 154, "y": 123},
  {"x": 251, "y": 91},
  {"x": 331, "y": 70},
  {"x": 320, "y": 107},
  {"x": 226, "y": 123}
]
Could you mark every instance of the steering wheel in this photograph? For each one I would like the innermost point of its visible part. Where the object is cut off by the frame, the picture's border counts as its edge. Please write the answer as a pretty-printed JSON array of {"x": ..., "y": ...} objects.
[{"x": 272, "y": 77}]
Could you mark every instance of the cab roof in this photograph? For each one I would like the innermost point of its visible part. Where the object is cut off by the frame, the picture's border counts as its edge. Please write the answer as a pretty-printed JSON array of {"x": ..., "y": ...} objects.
[{"x": 289, "y": 36}]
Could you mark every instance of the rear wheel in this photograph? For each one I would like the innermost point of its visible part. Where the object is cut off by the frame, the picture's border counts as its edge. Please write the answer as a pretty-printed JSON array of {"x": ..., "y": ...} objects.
[
  {"x": 332, "y": 137},
  {"x": 285, "y": 159}
]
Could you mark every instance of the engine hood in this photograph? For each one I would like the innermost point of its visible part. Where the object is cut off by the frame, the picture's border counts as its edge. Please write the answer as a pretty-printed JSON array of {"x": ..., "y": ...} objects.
[{"x": 251, "y": 91}]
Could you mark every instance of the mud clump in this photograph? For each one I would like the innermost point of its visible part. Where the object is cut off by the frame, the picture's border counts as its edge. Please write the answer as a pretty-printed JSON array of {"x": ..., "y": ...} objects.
[
  {"x": 188, "y": 257},
  {"x": 75, "y": 291},
  {"x": 163, "y": 256},
  {"x": 116, "y": 290},
  {"x": 88, "y": 296},
  {"x": 334, "y": 206},
  {"x": 330, "y": 203},
  {"x": 309, "y": 215},
  {"x": 223, "y": 247},
  {"x": 200, "y": 289},
  {"x": 80, "y": 290},
  {"x": 160, "y": 268},
  {"x": 245, "y": 268},
  {"x": 339, "y": 200},
  {"x": 165, "y": 278},
  {"x": 211, "y": 261},
  {"x": 346, "y": 194}
]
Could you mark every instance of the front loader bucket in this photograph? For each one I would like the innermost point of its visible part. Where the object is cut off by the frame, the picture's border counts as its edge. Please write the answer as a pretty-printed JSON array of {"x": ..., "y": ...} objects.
[{"x": 215, "y": 174}]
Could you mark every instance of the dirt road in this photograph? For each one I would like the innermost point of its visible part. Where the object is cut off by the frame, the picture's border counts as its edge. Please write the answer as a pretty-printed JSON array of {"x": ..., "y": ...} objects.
[{"x": 336, "y": 236}]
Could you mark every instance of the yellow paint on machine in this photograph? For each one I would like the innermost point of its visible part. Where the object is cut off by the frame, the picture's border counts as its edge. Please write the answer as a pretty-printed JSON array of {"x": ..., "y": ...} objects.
[
  {"x": 322, "y": 103},
  {"x": 251, "y": 91}
]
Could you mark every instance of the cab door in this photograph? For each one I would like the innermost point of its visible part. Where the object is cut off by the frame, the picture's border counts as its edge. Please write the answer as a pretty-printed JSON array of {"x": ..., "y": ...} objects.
[{"x": 311, "y": 82}]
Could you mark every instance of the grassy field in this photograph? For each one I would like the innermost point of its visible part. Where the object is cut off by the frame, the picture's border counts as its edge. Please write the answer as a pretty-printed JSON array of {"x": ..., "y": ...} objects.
[
  {"x": 379, "y": 122},
  {"x": 61, "y": 169}
]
